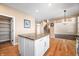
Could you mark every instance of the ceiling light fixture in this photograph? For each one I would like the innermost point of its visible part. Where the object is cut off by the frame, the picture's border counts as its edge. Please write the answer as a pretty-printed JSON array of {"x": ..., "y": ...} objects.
[
  {"x": 36, "y": 10},
  {"x": 64, "y": 15},
  {"x": 49, "y": 4}
]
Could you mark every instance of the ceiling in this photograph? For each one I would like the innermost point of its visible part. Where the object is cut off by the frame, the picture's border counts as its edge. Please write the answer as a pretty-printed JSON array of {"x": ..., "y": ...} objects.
[{"x": 45, "y": 10}]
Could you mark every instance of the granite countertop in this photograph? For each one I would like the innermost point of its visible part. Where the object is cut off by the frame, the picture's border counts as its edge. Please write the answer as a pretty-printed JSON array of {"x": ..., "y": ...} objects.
[{"x": 33, "y": 36}]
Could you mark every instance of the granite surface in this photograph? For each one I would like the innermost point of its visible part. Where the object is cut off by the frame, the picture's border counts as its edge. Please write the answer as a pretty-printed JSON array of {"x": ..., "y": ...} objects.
[{"x": 33, "y": 36}]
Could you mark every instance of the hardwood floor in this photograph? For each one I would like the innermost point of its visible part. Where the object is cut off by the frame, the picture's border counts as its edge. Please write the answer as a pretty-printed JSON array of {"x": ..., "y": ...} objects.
[
  {"x": 58, "y": 47},
  {"x": 61, "y": 47},
  {"x": 7, "y": 49}
]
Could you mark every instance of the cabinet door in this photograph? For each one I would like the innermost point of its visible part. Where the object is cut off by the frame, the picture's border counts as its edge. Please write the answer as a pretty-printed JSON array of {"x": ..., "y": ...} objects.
[
  {"x": 21, "y": 46},
  {"x": 46, "y": 43},
  {"x": 39, "y": 47},
  {"x": 28, "y": 47}
]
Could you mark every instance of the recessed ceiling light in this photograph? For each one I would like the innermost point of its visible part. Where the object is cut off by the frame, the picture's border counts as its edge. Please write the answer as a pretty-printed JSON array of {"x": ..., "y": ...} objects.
[
  {"x": 36, "y": 10},
  {"x": 49, "y": 4}
]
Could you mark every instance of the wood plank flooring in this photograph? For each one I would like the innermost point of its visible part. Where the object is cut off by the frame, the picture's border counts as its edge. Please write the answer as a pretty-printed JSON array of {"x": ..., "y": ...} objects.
[
  {"x": 7, "y": 49},
  {"x": 61, "y": 47},
  {"x": 58, "y": 47}
]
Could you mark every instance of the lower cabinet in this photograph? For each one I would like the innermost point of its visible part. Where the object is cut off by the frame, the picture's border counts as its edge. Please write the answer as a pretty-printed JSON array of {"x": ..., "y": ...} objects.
[
  {"x": 46, "y": 43},
  {"x": 36, "y": 47},
  {"x": 41, "y": 46}
]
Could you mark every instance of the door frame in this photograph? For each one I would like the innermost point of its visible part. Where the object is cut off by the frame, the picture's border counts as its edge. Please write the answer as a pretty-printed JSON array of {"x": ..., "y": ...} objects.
[{"x": 13, "y": 40}]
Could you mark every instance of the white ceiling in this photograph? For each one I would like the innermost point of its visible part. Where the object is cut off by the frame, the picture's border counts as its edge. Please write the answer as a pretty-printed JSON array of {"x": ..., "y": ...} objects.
[{"x": 44, "y": 11}]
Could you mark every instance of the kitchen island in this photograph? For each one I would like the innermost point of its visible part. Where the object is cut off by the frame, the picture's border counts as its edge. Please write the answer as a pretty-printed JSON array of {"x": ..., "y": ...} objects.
[{"x": 33, "y": 44}]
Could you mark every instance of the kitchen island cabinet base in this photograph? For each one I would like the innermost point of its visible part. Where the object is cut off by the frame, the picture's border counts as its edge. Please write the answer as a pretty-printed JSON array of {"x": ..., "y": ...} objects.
[{"x": 37, "y": 47}]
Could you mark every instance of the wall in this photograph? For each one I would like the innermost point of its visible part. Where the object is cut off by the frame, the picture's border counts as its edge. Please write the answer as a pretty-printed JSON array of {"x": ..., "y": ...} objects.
[
  {"x": 78, "y": 26},
  {"x": 19, "y": 19},
  {"x": 38, "y": 28}
]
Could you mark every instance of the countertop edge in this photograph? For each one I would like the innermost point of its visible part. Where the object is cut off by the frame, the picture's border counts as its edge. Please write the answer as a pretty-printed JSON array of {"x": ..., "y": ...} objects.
[{"x": 34, "y": 38}]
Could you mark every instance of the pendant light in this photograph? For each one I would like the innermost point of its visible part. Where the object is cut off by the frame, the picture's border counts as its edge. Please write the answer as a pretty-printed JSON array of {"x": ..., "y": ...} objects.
[{"x": 64, "y": 15}]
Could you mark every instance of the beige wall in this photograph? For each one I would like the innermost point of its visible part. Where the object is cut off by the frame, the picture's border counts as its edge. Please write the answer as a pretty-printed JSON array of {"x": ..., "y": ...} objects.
[{"x": 19, "y": 19}]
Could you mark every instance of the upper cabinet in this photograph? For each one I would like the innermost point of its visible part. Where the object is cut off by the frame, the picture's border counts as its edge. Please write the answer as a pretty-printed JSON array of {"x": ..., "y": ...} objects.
[
  {"x": 72, "y": 19},
  {"x": 64, "y": 28},
  {"x": 78, "y": 26}
]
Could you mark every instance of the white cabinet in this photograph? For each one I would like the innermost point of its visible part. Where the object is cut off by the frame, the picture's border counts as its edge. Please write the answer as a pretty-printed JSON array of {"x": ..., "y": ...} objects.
[
  {"x": 33, "y": 47},
  {"x": 46, "y": 43},
  {"x": 64, "y": 28},
  {"x": 41, "y": 45},
  {"x": 26, "y": 47}
]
